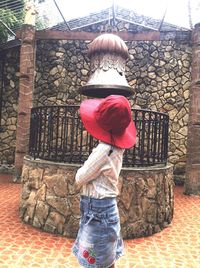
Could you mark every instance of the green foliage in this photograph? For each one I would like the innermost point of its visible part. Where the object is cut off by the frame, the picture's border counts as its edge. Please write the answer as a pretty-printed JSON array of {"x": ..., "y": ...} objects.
[
  {"x": 11, "y": 15},
  {"x": 8, "y": 18},
  {"x": 41, "y": 22}
]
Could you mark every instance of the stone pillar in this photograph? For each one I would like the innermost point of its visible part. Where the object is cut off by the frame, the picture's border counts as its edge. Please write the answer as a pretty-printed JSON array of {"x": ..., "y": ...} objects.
[
  {"x": 192, "y": 182},
  {"x": 26, "y": 85}
]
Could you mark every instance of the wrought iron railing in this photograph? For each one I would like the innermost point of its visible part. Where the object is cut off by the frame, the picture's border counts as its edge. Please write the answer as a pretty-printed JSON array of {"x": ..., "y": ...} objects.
[{"x": 57, "y": 134}]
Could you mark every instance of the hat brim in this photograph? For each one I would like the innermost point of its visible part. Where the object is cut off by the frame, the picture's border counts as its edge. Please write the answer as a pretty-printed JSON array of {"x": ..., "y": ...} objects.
[{"x": 87, "y": 113}]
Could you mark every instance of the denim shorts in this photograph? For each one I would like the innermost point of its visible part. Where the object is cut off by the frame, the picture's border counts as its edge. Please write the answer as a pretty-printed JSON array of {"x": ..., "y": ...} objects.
[{"x": 98, "y": 243}]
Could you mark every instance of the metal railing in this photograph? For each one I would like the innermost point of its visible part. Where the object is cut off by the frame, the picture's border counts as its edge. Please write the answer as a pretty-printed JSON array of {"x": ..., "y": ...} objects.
[{"x": 57, "y": 134}]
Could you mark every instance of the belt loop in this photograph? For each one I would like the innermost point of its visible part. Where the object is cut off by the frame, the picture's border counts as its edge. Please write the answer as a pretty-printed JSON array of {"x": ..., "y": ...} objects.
[
  {"x": 90, "y": 203},
  {"x": 90, "y": 218}
]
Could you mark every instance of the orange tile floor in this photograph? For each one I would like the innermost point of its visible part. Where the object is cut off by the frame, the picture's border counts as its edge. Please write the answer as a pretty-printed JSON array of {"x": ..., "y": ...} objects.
[{"x": 22, "y": 246}]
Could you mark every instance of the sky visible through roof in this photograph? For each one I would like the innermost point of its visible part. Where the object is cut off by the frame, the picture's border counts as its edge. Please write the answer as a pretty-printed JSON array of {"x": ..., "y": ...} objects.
[{"x": 177, "y": 11}]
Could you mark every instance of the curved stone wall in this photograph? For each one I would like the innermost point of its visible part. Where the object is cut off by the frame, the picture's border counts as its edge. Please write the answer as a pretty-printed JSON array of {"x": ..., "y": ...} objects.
[{"x": 50, "y": 198}]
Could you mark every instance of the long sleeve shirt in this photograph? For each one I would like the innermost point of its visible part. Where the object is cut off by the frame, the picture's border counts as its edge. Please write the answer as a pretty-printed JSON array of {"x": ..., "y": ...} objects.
[{"x": 99, "y": 174}]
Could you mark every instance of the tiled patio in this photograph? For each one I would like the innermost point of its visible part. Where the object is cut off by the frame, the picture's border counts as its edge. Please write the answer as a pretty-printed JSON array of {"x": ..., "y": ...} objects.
[{"x": 22, "y": 246}]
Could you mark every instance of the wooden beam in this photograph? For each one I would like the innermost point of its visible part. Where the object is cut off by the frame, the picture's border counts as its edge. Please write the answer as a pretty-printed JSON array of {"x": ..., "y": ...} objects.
[
  {"x": 126, "y": 36},
  {"x": 64, "y": 35}
]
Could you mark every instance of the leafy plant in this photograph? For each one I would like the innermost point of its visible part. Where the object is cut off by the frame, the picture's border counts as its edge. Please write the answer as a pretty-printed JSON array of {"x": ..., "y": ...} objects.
[
  {"x": 42, "y": 22},
  {"x": 11, "y": 16},
  {"x": 8, "y": 19}
]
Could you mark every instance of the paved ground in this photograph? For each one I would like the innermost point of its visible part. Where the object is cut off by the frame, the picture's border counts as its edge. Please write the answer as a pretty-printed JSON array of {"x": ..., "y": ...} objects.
[{"x": 22, "y": 246}]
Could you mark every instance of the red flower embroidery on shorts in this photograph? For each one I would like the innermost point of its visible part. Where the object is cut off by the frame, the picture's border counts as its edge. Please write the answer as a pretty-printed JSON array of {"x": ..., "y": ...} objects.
[
  {"x": 89, "y": 254},
  {"x": 85, "y": 254},
  {"x": 91, "y": 260}
]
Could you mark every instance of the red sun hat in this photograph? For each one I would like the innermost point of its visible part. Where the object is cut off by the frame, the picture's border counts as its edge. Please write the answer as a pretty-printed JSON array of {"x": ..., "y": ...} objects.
[{"x": 109, "y": 120}]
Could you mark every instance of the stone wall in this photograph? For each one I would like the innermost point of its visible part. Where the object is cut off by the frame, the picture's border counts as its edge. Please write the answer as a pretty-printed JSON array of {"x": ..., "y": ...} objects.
[
  {"x": 10, "y": 91},
  {"x": 50, "y": 198},
  {"x": 61, "y": 68},
  {"x": 159, "y": 71}
]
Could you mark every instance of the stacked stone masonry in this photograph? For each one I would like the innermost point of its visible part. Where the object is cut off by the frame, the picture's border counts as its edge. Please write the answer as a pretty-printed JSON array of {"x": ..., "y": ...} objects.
[
  {"x": 50, "y": 198},
  {"x": 159, "y": 72},
  {"x": 9, "y": 88}
]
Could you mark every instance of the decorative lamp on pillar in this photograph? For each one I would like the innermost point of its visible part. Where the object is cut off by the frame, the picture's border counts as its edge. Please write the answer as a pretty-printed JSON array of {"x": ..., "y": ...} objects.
[{"x": 108, "y": 54}]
